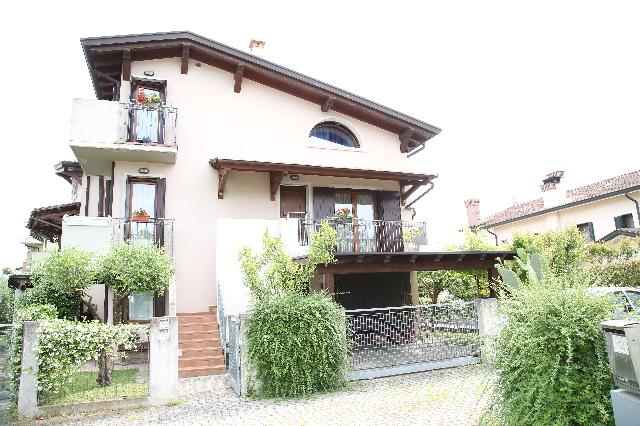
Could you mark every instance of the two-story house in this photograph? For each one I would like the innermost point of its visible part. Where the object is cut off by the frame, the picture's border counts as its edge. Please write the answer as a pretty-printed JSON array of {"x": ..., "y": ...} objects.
[
  {"x": 218, "y": 146},
  {"x": 601, "y": 210}
]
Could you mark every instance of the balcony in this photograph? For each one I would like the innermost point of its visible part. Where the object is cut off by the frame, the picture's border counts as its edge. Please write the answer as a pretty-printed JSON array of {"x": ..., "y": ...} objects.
[
  {"x": 154, "y": 232},
  {"x": 107, "y": 131},
  {"x": 369, "y": 236}
]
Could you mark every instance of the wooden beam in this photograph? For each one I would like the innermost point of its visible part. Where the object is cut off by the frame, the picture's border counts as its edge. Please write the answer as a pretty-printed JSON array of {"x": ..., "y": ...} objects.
[
  {"x": 438, "y": 258},
  {"x": 184, "y": 68},
  {"x": 387, "y": 259},
  {"x": 360, "y": 258},
  {"x": 329, "y": 282},
  {"x": 404, "y": 195},
  {"x": 404, "y": 266},
  {"x": 237, "y": 77},
  {"x": 413, "y": 258},
  {"x": 275, "y": 178},
  {"x": 405, "y": 138},
  {"x": 222, "y": 181},
  {"x": 327, "y": 104},
  {"x": 126, "y": 64}
]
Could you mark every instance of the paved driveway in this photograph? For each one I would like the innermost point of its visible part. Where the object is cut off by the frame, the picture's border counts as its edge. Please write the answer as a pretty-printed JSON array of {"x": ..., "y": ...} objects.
[{"x": 455, "y": 396}]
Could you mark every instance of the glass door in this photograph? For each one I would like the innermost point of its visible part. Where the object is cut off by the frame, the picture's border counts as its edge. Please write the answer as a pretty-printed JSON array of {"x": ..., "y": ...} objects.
[{"x": 356, "y": 229}]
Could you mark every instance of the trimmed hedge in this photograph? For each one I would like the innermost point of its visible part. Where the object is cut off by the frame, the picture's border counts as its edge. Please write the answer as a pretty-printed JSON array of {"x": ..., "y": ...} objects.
[{"x": 297, "y": 344}]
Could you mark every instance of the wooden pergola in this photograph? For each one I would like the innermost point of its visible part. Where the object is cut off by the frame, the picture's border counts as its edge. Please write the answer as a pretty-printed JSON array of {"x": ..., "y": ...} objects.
[
  {"x": 47, "y": 221},
  {"x": 353, "y": 262}
]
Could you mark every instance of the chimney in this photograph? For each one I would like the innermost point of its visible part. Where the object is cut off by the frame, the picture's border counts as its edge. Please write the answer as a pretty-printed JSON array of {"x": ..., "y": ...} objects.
[
  {"x": 473, "y": 212},
  {"x": 553, "y": 192}
]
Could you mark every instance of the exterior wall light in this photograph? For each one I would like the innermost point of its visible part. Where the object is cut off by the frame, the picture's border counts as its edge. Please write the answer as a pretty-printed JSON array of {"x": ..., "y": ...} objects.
[
  {"x": 143, "y": 170},
  {"x": 149, "y": 73},
  {"x": 294, "y": 177}
]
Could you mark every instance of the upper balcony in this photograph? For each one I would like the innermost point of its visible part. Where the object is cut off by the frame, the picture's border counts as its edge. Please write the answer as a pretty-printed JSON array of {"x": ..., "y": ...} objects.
[{"x": 107, "y": 131}]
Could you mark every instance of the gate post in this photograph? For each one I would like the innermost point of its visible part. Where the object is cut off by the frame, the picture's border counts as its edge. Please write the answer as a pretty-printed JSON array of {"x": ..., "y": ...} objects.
[
  {"x": 28, "y": 388},
  {"x": 488, "y": 326},
  {"x": 163, "y": 360}
]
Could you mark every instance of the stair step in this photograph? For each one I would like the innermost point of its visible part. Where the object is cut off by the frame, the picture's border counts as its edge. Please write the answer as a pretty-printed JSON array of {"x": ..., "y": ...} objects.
[
  {"x": 200, "y": 371},
  {"x": 213, "y": 309},
  {"x": 191, "y": 335},
  {"x": 198, "y": 326},
  {"x": 210, "y": 361},
  {"x": 210, "y": 343},
  {"x": 201, "y": 352},
  {"x": 191, "y": 319}
]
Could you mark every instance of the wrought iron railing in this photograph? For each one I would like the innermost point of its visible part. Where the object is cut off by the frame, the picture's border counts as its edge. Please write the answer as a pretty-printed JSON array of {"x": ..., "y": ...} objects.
[
  {"x": 369, "y": 236},
  {"x": 404, "y": 335},
  {"x": 147, "y": 124},
  {"x": 158, "y": 231}
]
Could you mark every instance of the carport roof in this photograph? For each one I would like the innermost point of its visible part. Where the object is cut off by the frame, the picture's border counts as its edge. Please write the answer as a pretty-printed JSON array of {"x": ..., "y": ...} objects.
[{"x": 352, "y": 262}]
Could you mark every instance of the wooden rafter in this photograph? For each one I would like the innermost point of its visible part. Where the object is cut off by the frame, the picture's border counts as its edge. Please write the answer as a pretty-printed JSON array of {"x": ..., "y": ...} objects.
[
  {"x": 405, "y": 139},
  {"x": 275, "y": 178},
  {"x": 222, "y": 181},
  {"x": 126, "y": 64},
  {"x": 404, "y": 195},
  {"x": 237, "y": 77},
  {"x": 327, "y": 104},
  {"x": 184, "y": 68}
]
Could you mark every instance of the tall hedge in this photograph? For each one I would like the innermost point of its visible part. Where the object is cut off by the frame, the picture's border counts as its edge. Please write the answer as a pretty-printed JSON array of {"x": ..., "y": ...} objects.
[
  {"x": 552, "y": 364},
  {"x": 297, "y": 343}
]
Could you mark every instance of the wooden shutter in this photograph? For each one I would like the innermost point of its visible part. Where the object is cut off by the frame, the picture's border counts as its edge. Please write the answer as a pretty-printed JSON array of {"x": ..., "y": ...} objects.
[
  {"x": 101, "y": 196},
  {"x": 293, "y": 199},
  {"x": 590, "y": 230},
  {"x": 161, "y": 186},
  {"x": 323, "y": 203},
  {"x": 158, "y": 305},
  {"x": 618, "y": 221},
  {"x": 390, "y": 234}
]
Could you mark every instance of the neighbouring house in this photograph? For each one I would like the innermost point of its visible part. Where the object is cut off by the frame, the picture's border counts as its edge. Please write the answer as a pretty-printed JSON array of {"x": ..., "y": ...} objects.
[
  {"x": 601, "y": 210},
  {"x": 218, "y": 146}
]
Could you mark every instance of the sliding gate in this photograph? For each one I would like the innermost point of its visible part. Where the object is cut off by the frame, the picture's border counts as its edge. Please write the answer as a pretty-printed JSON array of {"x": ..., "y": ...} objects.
[{"x": 407, "y": 339}]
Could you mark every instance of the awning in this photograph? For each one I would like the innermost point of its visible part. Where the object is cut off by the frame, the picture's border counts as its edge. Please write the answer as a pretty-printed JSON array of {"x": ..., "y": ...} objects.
[
  {"x": 278, "y": 170},
  {"x": 19, "y": 281},
  {"x": 413, "y": 261},
  {"x": 47, "y": 221}
]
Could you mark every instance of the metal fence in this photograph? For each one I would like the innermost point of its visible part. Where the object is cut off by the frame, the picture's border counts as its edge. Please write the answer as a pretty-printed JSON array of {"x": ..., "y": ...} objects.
[
  {"x": 367, "y": 236},
  {"x": 130, "y": 379},
  {"x": 147, "y": 124},
  {"x": 234, "y": 350},
  {"x": 398, "y": 336},
  {"x": 156, "y": 231}
]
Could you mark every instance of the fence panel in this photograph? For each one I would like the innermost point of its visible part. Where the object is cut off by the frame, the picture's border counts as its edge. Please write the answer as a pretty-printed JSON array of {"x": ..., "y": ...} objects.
[
  {"x": 234, "y": 326},
  {"x": 401, "y": 336}
]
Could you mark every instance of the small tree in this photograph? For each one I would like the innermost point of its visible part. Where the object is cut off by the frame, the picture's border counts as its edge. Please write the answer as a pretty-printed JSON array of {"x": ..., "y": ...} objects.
[
  {"x": 61, "y": 279},
  {"x": 134, "y": 268}
]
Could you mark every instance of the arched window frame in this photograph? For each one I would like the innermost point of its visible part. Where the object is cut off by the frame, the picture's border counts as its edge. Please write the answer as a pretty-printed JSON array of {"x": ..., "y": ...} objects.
[{"x": 339, "y": 123}]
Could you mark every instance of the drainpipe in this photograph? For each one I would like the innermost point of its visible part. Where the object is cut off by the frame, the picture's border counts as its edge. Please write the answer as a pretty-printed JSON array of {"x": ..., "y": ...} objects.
[
  {"x": 626, "y": 194},
  {"x": 494, "y": 236},
  {"x": 414, "y": 151},
  {"x": 431, "y": 185}
]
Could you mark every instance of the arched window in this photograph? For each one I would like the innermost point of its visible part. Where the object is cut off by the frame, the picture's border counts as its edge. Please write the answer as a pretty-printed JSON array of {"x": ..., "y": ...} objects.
[{"x": 336, "y": 133}]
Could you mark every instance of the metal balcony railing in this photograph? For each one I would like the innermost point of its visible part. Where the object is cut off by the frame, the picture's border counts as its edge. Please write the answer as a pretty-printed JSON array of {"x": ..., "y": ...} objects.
[
  {"x": 156, "y": 231},
  {"x": 369, "y": 236},
  {"x": 147, "y": 124}
]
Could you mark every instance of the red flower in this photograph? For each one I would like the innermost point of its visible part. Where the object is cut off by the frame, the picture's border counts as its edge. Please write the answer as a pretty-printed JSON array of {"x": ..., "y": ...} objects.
[{"x": 140, "y": 96}]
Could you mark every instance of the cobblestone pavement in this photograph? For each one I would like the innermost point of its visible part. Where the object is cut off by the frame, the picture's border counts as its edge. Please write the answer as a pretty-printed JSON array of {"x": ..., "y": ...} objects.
[{"x": 455, "y": 396}]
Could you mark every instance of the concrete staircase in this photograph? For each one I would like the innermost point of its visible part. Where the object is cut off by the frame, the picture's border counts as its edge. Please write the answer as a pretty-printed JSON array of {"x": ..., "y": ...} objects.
[{"x": 199, "y": 344}]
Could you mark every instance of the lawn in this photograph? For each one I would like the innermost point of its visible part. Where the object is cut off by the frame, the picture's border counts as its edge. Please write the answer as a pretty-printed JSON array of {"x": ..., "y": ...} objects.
[{"x": 83, "y": 387}]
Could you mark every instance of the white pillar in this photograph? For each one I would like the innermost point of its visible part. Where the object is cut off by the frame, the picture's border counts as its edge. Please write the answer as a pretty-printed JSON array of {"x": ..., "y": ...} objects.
[
  {"x": 163, "y": 360},
  {"x": 28, "y": 388}
]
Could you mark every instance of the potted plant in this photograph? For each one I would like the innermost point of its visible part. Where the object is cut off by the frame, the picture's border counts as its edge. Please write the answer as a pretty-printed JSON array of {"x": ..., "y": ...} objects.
[
  {"x": 140, "y": 215},
  {"x": 148, "y": 100},
  {"x": 343, "y": 215}
]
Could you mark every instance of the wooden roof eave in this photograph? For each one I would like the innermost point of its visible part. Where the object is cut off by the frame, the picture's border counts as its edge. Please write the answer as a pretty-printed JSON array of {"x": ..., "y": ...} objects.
[{"x": 278, "y": 170}]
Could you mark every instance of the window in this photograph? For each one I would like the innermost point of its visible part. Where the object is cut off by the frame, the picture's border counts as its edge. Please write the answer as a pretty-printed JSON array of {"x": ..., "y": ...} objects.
[
  {"x": 624, "y": 221},
  {"x": 140, "y": 306},
  {"x": 587, "y": 231},
  {"x": 146, "y": 114},
  {"x": 335, "y": 133},
  {"x": 634, "y": 298}
]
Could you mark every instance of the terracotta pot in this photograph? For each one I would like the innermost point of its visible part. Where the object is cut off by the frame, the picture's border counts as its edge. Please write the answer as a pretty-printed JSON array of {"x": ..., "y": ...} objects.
[{"x": 140, "y": 218}]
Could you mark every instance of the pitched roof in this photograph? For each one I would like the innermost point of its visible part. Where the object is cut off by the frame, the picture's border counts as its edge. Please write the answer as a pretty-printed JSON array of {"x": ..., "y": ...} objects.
[
  {"x": 603, "y": 189},
  {"x": 107, "y": 56}
]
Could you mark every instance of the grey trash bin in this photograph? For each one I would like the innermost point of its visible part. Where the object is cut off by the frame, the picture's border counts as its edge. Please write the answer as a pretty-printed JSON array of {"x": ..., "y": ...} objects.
[{"x": 623, "y": 348}]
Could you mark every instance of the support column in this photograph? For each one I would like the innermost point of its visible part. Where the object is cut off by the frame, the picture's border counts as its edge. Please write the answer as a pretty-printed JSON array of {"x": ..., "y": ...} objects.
[
  {"x": 492, "y": 276},
  {"x": 415, "y": 294},
  {"x": 163, "y": 360},
  {"x": 329, "y": 283},
  {"x": 488, "y": 327},
  {"x": 28, "y": 388}
]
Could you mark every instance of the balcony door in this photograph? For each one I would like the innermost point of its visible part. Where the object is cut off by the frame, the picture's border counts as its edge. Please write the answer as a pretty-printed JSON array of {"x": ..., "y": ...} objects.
[
  {"x": 145, "y": 194},
  {"x": 147, "y": 123},
  {"x": 358, "y": 234}
]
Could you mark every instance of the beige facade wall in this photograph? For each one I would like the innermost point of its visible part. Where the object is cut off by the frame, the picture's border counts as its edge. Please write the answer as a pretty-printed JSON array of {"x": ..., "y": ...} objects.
[
  {"x": 601, "y": 213},
  {"x": 259, "y": 124}
]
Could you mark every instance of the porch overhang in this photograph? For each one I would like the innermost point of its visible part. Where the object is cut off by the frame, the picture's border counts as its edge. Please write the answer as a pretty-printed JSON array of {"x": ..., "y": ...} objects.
[
  {"x": 412, "y": 261},
  {"x": 19, "y": 281},
  {"x": 408, "y": 181},
  {"x": 47, "y": 221}
]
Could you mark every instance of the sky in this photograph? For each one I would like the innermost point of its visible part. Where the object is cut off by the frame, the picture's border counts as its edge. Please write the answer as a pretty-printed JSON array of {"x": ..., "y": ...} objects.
[{"x": 519, "y": 88}]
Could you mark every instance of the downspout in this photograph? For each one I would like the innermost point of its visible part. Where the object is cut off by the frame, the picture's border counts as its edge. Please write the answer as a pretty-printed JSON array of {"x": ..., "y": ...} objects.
[
  {"x": 626, "y": 194},
  {"x": 431, "y": 185},
  {"x": 494, "y": 236}
]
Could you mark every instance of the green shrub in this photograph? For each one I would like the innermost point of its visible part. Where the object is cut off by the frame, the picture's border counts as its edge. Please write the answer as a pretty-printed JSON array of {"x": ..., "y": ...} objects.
[
  {"x": 67, "y": 304},
  {"x": 6, "y": 302},
  {"x": 28, "y": 313},
  {"x": 297, "y": 343},
  {"x": 552, "y": 365},
  {"x": 617, "y": 273}
]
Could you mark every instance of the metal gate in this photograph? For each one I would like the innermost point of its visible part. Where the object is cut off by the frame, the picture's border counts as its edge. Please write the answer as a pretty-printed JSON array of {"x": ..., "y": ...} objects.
[
  {"x": 406, "y": 339},
  {"x": 234, "y": 352}
]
